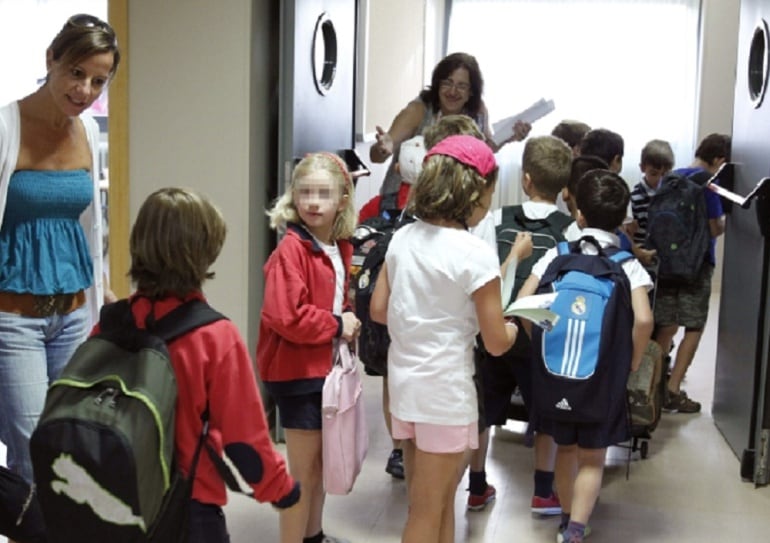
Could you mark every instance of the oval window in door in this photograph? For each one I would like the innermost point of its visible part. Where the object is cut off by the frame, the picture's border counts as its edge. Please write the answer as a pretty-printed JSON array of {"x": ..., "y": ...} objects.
[
  {"x": 324, "y": 54},
  {"x": 758, "y": 64}
]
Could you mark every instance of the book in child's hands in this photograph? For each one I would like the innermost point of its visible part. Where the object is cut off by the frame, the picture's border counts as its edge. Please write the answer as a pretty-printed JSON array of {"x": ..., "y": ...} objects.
[{"x": 534, "y": 308}]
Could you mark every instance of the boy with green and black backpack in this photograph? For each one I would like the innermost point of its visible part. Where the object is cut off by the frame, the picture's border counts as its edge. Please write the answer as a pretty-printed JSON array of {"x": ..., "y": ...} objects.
[{"x": 546, "y": 166}]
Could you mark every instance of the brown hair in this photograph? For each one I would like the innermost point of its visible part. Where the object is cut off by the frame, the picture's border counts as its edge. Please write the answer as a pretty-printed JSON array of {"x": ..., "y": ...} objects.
[
  {"x": 448, "y": 190},
  {"x": 443, "y": 70},
  {"x": 548, "y": 161},
  {"x": 84, "y": 36},
  {"x": 177, "y": 236}
]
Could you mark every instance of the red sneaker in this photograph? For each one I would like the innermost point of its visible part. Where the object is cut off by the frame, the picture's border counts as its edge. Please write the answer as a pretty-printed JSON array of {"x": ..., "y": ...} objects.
[
  {"x": 478, "y": 502},
  {"x": 546, "y": 506}
]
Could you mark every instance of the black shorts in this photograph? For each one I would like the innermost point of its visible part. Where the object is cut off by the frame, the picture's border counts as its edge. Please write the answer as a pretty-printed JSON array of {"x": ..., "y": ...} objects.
[
  {"x": 500, "y": 377},
  {"x": 586, "y": 436},
  {"x": 299, "y": 412}
]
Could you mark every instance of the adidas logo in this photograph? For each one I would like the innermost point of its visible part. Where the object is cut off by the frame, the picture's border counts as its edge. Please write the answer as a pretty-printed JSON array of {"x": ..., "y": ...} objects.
[{"x": 563, "y": 405}]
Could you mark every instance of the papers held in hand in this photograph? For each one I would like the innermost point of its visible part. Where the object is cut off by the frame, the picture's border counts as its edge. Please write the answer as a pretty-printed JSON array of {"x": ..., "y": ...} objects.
[
  {"x": 535, "y": 308},
  {"x": 744, "y": 202},
  {"x": 503, "y": 129}
]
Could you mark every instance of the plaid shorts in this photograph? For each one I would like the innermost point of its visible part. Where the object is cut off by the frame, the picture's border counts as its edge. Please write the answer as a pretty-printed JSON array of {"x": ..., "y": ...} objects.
[{"x": 685, "y": 304}]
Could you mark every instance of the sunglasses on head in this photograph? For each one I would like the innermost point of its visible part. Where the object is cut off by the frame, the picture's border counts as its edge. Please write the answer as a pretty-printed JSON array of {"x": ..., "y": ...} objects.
[{"x": 84, "y": 20}]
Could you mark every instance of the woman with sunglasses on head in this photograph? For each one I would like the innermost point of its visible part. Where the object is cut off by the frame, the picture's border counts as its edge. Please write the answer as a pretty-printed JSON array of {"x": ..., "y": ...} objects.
[
  {"x": 456, "y": 87},
  {"x": 51, "y": 275}
]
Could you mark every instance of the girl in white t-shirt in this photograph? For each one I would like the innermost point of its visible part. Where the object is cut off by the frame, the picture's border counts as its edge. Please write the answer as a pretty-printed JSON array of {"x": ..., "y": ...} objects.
[{"x": 439, "y": 286}]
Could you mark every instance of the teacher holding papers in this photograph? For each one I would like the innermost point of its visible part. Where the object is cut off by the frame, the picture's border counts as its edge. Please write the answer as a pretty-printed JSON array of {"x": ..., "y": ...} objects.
[{"x": 456, "y": 88}]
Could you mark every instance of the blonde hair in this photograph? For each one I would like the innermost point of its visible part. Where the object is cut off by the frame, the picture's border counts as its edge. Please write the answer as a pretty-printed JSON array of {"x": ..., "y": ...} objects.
[
  {"x": 451, "y": 125},
  {"x": 177, "y": 236},
  {"x": 448, "y": 189},
  {"x": 284, "y": 211}
]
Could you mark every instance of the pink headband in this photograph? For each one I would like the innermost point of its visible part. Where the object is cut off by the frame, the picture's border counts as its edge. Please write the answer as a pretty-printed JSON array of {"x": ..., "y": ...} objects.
[
  {"x": 342, "y": 166},
  {"x": 467, "y": 150}
]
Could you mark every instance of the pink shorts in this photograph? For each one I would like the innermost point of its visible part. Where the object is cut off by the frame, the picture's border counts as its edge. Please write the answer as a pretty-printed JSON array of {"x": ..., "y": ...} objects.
[{"x": 437, "y": 438}]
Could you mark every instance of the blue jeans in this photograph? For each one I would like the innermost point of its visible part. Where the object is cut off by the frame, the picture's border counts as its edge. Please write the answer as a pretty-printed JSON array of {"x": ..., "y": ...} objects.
[{"x": 33, "y": 352}]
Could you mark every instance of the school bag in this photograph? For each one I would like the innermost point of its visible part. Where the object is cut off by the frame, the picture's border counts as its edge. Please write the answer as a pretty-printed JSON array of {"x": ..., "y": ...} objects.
[
  {"x": 370, "y": 243},
  {"x": 678, "y": 228},
  {"x": 646, "y": 393},
  {"x": 343, "y": 426},
  {"x": 103, "y": 449},
  {"x": 581, "y": 366},
  {"x": 546, "y": 234}
]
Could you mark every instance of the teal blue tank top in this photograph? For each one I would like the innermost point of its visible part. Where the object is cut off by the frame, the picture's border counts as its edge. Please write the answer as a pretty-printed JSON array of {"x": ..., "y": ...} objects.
[{"x": 43, "y": 249}]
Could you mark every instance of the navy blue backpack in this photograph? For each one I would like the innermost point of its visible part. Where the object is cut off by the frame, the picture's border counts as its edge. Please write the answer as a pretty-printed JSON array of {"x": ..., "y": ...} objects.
[{"x": 581, "y": 366}]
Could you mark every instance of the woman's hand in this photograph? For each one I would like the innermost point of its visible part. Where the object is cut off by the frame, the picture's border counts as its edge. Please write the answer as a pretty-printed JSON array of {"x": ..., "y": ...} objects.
[
  {"x": 383, "y": 147},
  {"x": 520, "y": 131}
]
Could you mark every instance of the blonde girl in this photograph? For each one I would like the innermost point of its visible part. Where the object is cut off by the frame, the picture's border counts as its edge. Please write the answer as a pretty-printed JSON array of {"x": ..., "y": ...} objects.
[
  {"x": 439, "y": 286},
  {"x": 304, "y": 313}
]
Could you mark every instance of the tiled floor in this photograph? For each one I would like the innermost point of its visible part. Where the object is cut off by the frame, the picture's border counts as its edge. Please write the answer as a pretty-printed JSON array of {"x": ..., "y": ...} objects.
[{"x": 688, "y": 490}]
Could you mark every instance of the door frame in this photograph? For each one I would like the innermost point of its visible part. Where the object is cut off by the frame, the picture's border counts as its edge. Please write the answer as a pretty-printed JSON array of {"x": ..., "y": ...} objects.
[{"x": 118, "y": 191}]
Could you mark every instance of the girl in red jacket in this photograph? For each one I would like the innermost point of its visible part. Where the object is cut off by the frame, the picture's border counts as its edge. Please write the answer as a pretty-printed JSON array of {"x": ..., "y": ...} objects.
[{"x": 304, "y": 314}]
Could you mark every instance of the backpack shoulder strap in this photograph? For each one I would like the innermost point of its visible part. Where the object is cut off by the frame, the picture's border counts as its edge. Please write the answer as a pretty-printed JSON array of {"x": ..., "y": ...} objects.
[
  {"x": 563, "y": 248},
  {"x": 559, "y": 221},
  {"x": 116, "y": 315},
  {"x": 620, "y": 256},
  {"x": 185, "y": 318}
]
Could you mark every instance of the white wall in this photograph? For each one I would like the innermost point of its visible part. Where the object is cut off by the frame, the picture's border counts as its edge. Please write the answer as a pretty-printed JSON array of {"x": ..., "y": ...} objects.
[
  {"x": 192, "y": 96},
  {"x": 197, "y": 118}
]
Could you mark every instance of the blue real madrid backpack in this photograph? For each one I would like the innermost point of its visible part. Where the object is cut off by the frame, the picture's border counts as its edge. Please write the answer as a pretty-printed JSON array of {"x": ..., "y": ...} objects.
[
  {"x": 103, "y": 450},
  {"x": 580, "y": 367}
]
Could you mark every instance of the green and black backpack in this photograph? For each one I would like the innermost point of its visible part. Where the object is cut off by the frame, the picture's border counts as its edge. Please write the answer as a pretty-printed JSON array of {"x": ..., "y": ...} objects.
[{"x": 103, "y": 450}]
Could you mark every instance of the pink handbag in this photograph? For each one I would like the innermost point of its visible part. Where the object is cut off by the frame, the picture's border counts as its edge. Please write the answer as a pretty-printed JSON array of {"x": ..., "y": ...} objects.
[{"x": 345, "y": 436}]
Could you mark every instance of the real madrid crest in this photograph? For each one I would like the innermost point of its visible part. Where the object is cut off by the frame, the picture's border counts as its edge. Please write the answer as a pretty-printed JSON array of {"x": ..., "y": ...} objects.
[{"x": 578, "y": 306}]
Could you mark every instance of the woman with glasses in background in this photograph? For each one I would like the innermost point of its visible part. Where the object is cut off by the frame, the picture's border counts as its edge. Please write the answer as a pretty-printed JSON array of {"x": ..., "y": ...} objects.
[
  {"x": 51, "y": 276},
  {"x": 456, "y": 87}
]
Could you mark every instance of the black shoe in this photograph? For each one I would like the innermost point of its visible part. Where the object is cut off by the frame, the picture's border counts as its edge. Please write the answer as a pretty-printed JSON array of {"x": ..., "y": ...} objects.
[{"x": 395, "y": 465}]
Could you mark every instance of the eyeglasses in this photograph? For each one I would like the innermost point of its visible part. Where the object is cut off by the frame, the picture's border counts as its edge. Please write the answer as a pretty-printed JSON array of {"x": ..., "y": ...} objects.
[
  {"x": 84, "y": 20},
  {"x": 447, "y": 84}
]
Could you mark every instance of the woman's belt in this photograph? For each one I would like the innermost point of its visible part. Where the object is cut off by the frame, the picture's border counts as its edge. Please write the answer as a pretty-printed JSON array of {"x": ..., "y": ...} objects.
[{"x": 32, "y": 305}]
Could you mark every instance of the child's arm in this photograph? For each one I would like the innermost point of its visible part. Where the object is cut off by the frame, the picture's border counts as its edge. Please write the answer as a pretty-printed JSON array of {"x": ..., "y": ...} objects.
[
  {"x": 643, "y": 322},
  {"x": 521, "y": 249},
  {"x": 378, "y": 306},
  {"x": 527, "y": 289},
  {"x": 498, "y": 335}
]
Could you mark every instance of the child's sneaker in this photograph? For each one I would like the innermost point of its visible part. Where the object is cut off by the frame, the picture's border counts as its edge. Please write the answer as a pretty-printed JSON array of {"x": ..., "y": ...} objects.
[
  {"x": 331, "y": 539},
  {"x": 395, "y": 465},
  {"x": 680, "y": 403},
  {"x": 546, "y": 506},
  {"x": 478, "y": 502},
  {"x": 562, "y": 537}
]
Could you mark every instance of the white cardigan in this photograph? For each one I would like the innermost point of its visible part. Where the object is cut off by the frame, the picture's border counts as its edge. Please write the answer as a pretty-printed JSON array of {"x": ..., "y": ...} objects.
[{"x": 90, "y": 220}]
